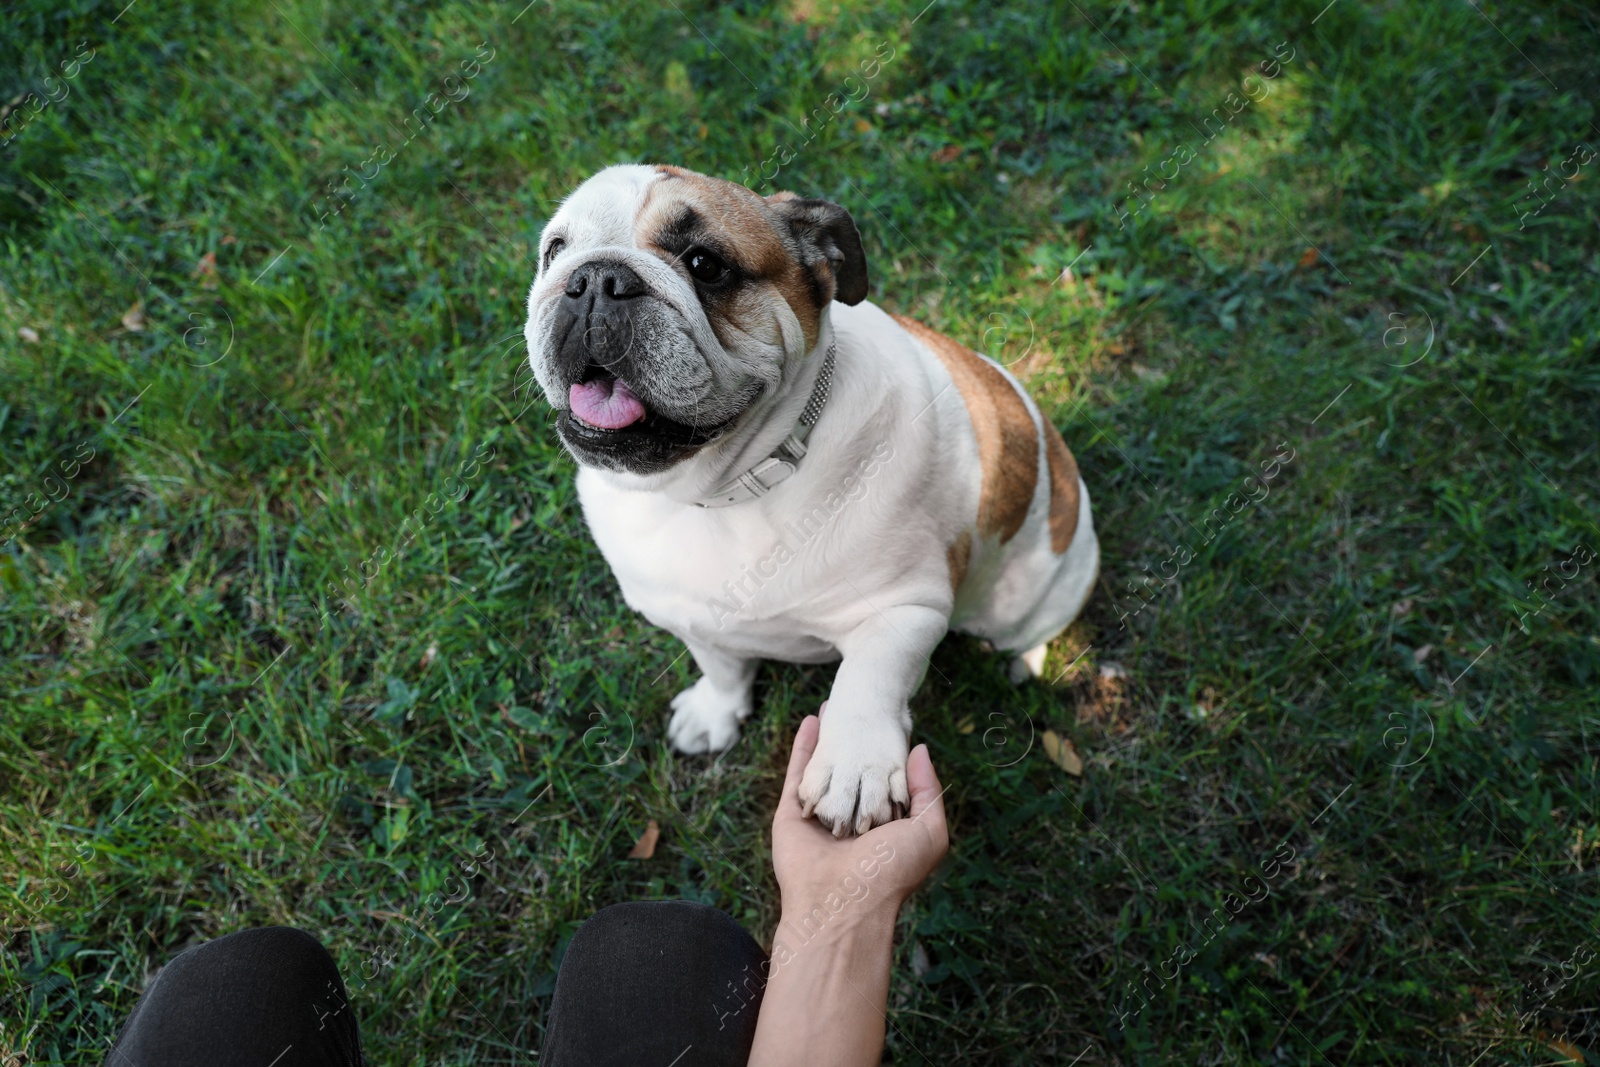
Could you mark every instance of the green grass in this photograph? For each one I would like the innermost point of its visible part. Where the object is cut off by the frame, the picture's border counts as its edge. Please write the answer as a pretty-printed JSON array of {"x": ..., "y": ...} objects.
[{"x": 243, "y": 680}]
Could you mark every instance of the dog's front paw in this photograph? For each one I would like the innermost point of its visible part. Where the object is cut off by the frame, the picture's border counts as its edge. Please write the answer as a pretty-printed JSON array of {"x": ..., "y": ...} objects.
[
  {"x": 706, "y": 719},
  {"x": 857, "y": 777}
]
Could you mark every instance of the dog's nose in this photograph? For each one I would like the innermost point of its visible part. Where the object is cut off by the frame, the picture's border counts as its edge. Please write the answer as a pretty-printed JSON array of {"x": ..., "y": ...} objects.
[{"x": 610, "y": 281}]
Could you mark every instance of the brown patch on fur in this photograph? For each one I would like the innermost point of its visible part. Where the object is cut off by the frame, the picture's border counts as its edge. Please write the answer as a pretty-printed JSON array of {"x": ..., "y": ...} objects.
[
  {"x": 1063, "y": 489},
  {"x": 740, "y": 229},
  {"x": 1008, "y": 440},
  {"x": 958, "y": 555}
]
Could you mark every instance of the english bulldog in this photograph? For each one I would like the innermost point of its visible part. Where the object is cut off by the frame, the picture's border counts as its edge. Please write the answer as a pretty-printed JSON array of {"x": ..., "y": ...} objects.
[{"x": 775, "y": 468}]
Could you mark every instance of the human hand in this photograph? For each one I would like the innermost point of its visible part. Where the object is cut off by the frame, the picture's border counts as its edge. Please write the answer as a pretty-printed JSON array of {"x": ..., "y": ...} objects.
[{"x": 877, "y": 870}]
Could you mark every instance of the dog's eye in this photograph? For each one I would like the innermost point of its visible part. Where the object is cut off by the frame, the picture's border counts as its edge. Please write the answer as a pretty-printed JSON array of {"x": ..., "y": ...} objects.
[
  {"x": 704, "y": 266},
  {"x": 554, "y": 250}
]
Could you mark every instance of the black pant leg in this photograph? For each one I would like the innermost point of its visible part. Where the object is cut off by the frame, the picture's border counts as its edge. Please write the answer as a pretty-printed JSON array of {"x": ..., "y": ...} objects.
[
  {"x": 268, "y": 997},
  {"x": 656, "y": 983}
]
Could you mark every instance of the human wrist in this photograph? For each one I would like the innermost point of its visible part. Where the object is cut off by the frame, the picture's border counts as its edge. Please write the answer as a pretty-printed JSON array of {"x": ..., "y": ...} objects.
[
  {"x": 872, "y": 910},
  {"x": 825, "y": 919}
]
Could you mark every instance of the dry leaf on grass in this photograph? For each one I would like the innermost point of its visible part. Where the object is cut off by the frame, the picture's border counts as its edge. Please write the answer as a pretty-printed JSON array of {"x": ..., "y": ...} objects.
[
  {"x": 206, "y": 270},
  {"x": 133, "y": 318},
  {"x": 1309, "y": 258},
  {"x": 1062, "y": 754},
  {"x": 645, "y": 847},
  {"x": 947, "y": 154},
  {"x": 1562, "y": 1047},
  {"x": 28, "y": 334}
]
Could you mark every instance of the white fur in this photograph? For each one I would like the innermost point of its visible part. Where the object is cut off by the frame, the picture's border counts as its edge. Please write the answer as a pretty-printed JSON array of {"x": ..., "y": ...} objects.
[{"x": 891, "y": 480}]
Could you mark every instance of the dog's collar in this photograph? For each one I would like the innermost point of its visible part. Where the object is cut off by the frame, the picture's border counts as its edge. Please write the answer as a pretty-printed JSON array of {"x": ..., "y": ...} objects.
[{"x": 759, "y": 480}]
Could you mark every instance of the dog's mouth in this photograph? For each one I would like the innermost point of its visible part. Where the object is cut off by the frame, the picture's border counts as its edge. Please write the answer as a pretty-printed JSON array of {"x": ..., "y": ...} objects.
[{"x": 606, "y": 416}]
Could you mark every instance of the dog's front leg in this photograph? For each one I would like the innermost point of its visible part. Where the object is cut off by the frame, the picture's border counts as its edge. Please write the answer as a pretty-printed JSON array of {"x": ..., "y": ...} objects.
[
  {"x": 706, "y": 716},
  {"x": 857, "y": 777}
]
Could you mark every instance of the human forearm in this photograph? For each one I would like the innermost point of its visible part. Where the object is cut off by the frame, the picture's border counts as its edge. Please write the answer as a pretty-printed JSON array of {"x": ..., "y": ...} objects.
[{"x": 826, "y": 992}]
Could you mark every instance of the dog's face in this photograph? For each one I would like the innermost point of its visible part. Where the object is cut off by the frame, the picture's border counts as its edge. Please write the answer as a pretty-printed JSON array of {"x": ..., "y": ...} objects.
[{"x": 668, "y": 304}]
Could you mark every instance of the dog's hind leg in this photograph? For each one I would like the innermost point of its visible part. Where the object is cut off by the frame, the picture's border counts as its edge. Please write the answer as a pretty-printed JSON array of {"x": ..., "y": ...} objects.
[
  {"x": 1028, "y": 665},
  {"x": 706, "y": 716}
]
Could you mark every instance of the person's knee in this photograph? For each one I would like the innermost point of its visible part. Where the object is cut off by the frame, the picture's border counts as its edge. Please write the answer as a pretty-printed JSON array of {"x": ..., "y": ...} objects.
[
  {"x": 667, "y": 967},
  {"x": 255, "y": 987}
]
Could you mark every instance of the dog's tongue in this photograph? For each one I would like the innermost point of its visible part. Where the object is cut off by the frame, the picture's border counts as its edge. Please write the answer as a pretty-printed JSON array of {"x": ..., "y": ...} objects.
[{"x": 606, "y": 402}]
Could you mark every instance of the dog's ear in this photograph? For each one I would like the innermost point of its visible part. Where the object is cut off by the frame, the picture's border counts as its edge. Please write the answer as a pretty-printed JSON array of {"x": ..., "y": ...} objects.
[{"x": 830, "y": 246}]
